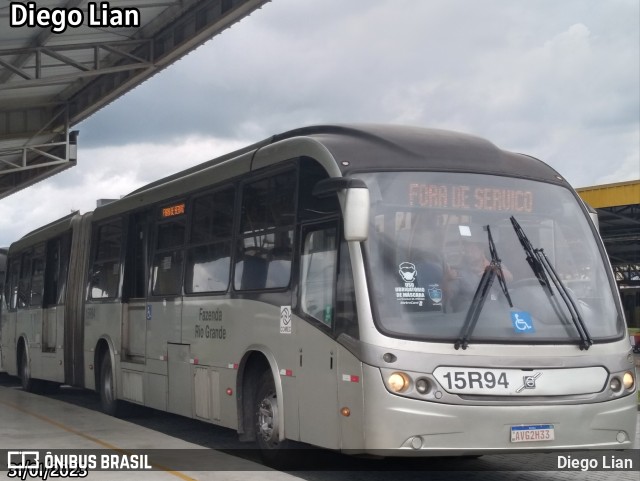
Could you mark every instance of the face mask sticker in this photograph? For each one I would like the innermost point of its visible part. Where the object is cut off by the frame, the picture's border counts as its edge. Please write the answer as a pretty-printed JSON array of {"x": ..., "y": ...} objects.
[
  {"x": 410, "y": 294},
  {"x": 408, "y": 272}
]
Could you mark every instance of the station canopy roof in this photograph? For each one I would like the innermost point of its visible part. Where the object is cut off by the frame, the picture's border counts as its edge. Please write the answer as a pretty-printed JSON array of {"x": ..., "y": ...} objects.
[
  {"x": 51, "y": 81},
  {"x": 618, "y": 207}
]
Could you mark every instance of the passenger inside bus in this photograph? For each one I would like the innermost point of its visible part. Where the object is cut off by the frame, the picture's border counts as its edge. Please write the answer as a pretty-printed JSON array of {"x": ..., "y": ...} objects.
[{"x": 467, "y": 275}]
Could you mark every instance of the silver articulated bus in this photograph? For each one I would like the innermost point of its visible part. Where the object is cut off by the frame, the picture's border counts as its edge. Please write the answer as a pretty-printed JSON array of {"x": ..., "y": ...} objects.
[{"x": 372, "y": 289}]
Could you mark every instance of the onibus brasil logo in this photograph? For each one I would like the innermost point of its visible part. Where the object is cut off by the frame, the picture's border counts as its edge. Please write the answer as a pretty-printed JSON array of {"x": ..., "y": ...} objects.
[{"x": 30, "y": 463}]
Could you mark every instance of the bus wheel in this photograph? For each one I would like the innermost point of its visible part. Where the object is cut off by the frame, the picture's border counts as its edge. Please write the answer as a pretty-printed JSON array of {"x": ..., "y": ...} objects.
[
  {"x": 108, "y": 401},
  {"x": 28, "y": 384},
  {"x": 268, "y": 421}
]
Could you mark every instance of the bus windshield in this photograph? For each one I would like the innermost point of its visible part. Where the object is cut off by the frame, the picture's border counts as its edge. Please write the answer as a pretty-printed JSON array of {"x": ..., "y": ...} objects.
[{"x": 446, "y": 256}]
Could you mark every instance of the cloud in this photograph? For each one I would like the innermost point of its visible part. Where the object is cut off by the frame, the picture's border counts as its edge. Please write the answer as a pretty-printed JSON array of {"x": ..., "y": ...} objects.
[
  {"x": 103, "y": 173},
  {"x": 557, "y": 80},
  {"x": 628, "y": 167}
]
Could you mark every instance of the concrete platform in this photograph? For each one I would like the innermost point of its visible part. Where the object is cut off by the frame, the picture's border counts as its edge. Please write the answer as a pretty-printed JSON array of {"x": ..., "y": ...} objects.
[{"x": 32, "y": 422}]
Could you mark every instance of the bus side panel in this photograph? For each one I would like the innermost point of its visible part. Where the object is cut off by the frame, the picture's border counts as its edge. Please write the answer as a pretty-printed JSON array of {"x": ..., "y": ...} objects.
[
  {"x": 26, "y": 325},
  {"x": 180, "y": 379},
  {"x": 164, "y": 322},
  {"x": 47, "y": 356},
  {"x": 351, "y": 396},
  {"x": 9, "y": 342},
  {"x": 219, "y": 332},
  {"x": 102, "y": 320},
  {"x": 210, "y": 329},
  {"x": 317, "y": 385}
]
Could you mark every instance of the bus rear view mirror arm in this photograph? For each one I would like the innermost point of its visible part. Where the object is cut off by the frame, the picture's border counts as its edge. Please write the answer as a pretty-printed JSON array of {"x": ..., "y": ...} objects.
[{"x": 355, "y": 206}]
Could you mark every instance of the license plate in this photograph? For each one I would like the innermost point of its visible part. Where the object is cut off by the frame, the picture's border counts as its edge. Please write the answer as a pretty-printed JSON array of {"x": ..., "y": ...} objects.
[
  {"x": 520, "y": 382},
  {"x": 532, "y": 433}
]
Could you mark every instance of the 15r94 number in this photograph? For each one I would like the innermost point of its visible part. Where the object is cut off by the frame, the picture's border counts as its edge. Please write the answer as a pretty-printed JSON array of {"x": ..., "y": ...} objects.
[{"x": 475, "y": 379}]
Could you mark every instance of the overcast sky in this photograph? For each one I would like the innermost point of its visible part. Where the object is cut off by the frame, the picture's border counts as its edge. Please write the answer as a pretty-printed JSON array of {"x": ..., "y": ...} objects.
[{"x": 559, "y": 80}]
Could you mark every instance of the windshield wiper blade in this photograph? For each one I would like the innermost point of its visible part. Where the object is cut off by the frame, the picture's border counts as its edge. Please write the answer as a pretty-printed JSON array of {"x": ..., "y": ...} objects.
[
  {"x": 473, "y": 313},
  {"x": 532, "y": 258},
  {"x": 544, "y": 271},
  {"x": 493, "y": 270},
  {"x": 497, "y": 263},
  {"x": 576, "y": 317}
]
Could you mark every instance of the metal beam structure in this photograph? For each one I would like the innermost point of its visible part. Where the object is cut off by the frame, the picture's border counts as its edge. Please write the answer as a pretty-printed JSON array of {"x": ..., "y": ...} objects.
[
  {"x": 50, "y": 81},
  {"x": 618, "y": 207}
]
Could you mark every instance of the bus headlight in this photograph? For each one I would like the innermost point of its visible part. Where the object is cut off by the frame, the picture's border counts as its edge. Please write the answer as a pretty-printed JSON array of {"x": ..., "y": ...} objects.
[
  {"x": 615, "y": 384},
  {"x": 627, "y": 380},
  {"x": 398, "y": 382},
  {"x": 422, "y": 386}
]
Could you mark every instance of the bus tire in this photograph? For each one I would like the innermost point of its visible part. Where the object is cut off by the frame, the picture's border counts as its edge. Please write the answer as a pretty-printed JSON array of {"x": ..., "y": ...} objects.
[
  {"x": 28, "y": 383},
  {"x": 267, "y": 422},
  {"x": 108, "y": 401}
]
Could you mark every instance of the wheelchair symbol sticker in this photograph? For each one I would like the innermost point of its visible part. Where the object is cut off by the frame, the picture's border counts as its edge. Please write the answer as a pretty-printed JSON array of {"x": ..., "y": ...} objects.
[{"x": 522, "y": 322}]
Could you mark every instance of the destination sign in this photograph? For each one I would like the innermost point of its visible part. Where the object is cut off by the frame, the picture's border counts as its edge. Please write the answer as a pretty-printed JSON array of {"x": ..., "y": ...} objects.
[
  {"x": 470, "y": 197},
  {"x": 173, "y": 210}
]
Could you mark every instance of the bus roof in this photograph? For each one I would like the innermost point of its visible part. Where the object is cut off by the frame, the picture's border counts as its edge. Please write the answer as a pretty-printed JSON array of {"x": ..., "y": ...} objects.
[
  {"x": 359, "y": 148},
  {"x": 369, "y": 147},
  {"x": 44, "y": 233}
]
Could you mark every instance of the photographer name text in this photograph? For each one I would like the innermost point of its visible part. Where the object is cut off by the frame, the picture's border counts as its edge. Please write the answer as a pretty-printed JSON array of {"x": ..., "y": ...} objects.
[
  {"x": 597, "y": 463},
  {"x": 59, "y": 19}
]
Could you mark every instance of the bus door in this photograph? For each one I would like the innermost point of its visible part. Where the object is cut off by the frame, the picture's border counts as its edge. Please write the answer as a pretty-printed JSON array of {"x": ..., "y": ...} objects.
[
  {"x": 135, "y": 289},
  {"x": 10, "y": 314},
  {"x": 166, "y": 355},
  {"x": 53, "y": 308},
  {"x": 30, "y": 301},
  {"x": 50, "y": 301},
  {"x": 317, "y": 381}
]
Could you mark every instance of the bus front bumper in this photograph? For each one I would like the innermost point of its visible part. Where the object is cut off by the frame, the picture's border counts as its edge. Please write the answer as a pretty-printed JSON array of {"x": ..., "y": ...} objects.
[{"x": 401, "y": 426}]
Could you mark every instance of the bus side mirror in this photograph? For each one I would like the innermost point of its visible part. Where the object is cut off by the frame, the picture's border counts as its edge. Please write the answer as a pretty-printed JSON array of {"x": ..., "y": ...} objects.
[
  {"x": 355, "y": 207},
  {"x": 356, "y": 214}
]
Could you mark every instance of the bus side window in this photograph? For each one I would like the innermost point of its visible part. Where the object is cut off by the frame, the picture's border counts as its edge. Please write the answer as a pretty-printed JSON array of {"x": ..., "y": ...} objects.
[
  {"x": 209, "y": 253},
  {"x": 317, "y": 281},
  {"x": 24, "y": 285},
  {"x": 166, "y": 274},
  {"x": 52, "y": 273},
  {"x": 37, "y": 277},
  {"x": 11, "y": 289},
  {"x": 105, "y": 277},
  {"x": 265, "y": 244}
]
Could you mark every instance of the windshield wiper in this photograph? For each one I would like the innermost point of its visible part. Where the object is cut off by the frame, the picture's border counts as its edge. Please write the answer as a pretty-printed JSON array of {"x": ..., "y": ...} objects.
[
  {"x": 493, "y": 270},
  {"x": 532, "y": 256},
  {"x": 495, "y": 261},
  {"x": 547, "y": 275}
]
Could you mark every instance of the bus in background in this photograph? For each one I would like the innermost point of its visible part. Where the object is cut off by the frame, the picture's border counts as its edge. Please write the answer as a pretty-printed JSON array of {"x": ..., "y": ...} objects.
[
  {"x": 3, "y": 264},
  {"x": 371, "y": 289}
]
